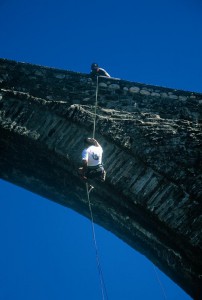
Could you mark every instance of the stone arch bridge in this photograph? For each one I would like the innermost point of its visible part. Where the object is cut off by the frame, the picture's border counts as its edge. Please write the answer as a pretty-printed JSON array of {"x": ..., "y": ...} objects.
[{"x": 152, "y": 153}]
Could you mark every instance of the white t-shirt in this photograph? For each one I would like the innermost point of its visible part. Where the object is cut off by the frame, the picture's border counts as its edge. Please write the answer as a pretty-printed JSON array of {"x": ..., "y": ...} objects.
[{"x": 93, "y": 155}]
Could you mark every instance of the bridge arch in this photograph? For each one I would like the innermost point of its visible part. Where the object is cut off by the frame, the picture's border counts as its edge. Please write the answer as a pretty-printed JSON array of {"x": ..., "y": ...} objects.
[{"x": 151, "y": 140}]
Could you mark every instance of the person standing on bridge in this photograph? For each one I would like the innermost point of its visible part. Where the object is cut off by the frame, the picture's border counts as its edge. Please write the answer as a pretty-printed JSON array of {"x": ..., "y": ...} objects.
[
  {"x": 92, "y": 166},
  {"x": 97, "y": 71}
]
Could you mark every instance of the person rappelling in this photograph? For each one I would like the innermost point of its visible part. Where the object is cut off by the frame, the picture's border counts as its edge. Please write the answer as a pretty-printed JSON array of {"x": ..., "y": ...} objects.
[{"x": 92, "y": 167}]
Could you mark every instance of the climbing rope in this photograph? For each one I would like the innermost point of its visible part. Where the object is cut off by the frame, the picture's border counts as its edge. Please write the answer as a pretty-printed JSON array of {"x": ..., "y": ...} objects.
[
  {"x": 88, "y": 190},
  {"x": 95, "y": 112},
  {"x": 160, "y": 283},
  {"x": 102, "y": 284}
]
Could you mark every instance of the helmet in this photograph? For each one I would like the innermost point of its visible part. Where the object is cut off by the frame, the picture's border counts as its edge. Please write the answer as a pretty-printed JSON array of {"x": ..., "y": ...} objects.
[{"x": 94, "y": 66}]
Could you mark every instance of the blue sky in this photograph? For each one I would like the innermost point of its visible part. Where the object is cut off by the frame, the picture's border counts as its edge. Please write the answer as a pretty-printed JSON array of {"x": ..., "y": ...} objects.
[{"x": 47, "y": 250}]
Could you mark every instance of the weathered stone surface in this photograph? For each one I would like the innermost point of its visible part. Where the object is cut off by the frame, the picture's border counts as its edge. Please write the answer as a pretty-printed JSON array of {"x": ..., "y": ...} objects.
[{"x": 152, "y": 153}]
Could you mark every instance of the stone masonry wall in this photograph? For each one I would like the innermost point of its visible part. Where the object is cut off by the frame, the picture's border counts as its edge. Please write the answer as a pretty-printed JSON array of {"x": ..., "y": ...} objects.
[{"x": 151, "y": 138}]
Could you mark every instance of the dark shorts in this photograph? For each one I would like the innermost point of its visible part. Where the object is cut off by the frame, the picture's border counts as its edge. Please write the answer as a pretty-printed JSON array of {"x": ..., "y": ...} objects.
[{"x": 95, "y": 172}]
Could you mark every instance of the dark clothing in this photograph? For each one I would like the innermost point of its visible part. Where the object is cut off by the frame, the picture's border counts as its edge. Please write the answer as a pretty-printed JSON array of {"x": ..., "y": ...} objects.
[
  {"x": 99, "y": 72},
  {"x": 97, "y": 172}
]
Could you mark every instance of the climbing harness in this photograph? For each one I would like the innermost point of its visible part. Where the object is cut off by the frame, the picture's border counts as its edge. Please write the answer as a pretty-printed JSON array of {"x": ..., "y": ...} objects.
[{"x": 88, "y": 190}]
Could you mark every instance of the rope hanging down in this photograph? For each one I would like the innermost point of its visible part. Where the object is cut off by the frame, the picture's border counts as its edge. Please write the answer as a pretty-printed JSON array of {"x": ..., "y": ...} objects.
[
  {"x": 102, "y": 284},
  {"x": 160, "y": 284},
  {"x": 95, "y": 112}
]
